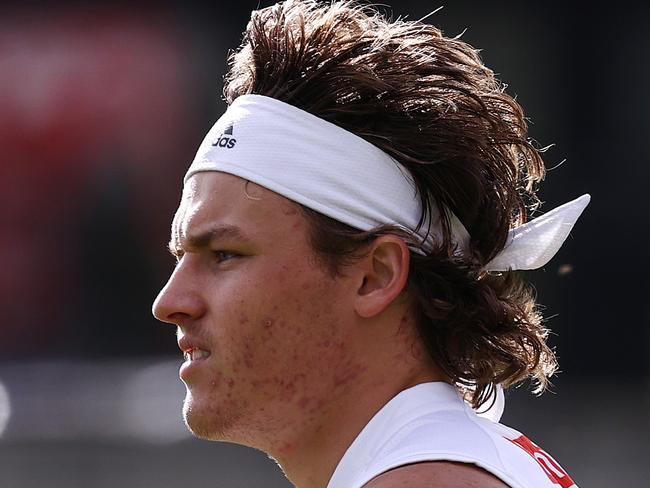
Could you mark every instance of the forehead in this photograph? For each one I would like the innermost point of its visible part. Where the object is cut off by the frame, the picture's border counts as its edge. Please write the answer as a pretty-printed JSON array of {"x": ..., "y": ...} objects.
[{"x": 216, "y": 198}]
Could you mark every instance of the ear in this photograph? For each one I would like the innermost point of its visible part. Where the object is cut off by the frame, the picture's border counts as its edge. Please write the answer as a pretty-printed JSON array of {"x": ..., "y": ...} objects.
[{"x": 385, "y": 272}]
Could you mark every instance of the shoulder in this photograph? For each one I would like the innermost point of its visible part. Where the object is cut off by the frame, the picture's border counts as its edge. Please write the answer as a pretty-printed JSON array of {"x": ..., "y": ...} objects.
[{"x": 436, "y": 474}]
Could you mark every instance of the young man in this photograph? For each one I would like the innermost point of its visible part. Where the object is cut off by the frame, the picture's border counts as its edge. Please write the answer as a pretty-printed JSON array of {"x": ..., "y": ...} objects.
[{"x": 343, "y": 294}]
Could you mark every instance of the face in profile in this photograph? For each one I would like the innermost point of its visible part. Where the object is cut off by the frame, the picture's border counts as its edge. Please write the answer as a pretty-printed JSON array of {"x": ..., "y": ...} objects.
[{"x": 263, "y": 326}]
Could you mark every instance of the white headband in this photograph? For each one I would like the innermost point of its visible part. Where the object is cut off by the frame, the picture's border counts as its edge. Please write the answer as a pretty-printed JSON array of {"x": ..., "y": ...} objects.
[{"x": 332, "y": 171}]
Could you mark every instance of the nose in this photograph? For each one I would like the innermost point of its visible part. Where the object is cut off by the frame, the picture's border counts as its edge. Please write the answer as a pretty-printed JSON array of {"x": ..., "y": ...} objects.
[{"x": 180, "y": 299}]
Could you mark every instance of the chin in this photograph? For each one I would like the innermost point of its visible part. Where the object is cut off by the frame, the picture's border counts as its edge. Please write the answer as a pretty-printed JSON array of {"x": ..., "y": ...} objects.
[
  {"x": 197, "y": 419},
  {"x": 206, "y": 419}
]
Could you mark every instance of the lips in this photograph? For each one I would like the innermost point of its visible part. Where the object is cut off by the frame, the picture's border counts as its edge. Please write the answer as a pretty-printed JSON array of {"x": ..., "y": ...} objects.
[
  {"x": 195, "y": 355},
  {"x": 192, "y": 350}
]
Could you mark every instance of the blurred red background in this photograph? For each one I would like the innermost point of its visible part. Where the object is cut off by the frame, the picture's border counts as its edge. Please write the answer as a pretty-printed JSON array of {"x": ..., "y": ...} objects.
[{"x": 102, "y": 107}]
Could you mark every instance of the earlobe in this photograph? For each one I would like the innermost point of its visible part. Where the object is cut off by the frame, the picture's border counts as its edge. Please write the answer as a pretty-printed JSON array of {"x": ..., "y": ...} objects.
[{"x": 386, "y": 269}]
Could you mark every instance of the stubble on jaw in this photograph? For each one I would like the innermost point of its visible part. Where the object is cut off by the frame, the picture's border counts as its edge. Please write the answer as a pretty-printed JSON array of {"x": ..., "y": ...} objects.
[
  {"x": 309, "y": 393},
  {"x": 213, "y": 422}
]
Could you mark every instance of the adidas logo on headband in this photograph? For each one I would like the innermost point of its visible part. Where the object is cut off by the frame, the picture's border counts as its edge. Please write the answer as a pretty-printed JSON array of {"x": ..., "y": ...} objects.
[{"x": 223, "y": 141}]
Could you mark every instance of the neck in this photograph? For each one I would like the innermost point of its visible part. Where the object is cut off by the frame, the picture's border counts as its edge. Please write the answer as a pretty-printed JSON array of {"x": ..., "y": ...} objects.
[{"x": 310, "y": 457}]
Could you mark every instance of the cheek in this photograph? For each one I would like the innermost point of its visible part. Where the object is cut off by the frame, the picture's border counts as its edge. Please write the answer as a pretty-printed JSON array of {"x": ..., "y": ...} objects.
[
  {"x": 285, "y": 342},
  {"x": 303, "y": 348}
]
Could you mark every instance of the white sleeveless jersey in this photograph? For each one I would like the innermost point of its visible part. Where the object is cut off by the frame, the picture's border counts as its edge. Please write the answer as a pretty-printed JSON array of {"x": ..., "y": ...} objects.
[{"x": 431, "y": 422}]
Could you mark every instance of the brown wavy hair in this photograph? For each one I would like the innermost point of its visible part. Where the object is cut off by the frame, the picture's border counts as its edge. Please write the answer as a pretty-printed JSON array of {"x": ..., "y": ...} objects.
[{"x": 430, "y": 103}]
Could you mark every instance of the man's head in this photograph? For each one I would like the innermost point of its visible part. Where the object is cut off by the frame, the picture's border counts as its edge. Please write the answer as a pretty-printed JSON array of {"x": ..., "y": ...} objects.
[
  {"x": 313, "y": 305},
  {"x": 277, "y": 338}
]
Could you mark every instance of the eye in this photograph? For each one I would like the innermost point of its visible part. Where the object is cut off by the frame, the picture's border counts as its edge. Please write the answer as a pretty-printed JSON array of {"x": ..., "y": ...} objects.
[{"x": 222, "y": 256}]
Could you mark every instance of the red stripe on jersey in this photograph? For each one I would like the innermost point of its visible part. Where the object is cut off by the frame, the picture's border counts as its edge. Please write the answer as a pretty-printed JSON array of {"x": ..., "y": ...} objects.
[{"x": 549, "y": 465}]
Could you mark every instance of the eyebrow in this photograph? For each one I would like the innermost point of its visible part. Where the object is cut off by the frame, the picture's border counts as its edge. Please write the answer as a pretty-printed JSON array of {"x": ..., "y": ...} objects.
[{"x": 203, "y": 239}]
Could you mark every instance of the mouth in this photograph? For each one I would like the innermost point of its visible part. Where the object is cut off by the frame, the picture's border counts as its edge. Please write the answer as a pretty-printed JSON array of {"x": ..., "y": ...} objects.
[{"x": 195, "y": 354}]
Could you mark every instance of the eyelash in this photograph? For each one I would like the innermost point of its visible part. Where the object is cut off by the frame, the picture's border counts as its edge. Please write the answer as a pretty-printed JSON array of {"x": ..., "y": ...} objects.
[{"x": 219, "y": 255}]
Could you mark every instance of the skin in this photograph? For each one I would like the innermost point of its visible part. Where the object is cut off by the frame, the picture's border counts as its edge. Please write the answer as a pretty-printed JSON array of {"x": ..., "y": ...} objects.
[
  {"x": 436, "y": 474},
  {"x": 290, "y": 347}
]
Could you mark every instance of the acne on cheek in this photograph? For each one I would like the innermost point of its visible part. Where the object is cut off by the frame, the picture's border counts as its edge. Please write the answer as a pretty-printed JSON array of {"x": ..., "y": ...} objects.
[
  {"x": 230, "y": 382},
  {"x": 216, "y": 380},
  {"x": 317, "y": 406},
  {"x": 303, "y": 402},
  {"x": 288, "y": 387},
  {"x": 248, "y": 355},
  {"x": 300, "y": 349}
]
